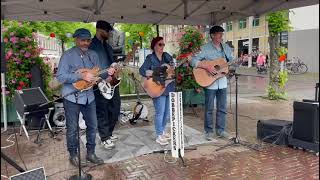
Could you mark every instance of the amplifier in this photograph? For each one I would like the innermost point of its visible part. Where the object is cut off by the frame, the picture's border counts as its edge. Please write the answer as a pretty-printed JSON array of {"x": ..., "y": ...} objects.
[
  {"x": 28, "y": 101},
  {"x": 35, "y": 174},
  {"x": 274, "y": 131},
  {"x": 306, "y": 121}
]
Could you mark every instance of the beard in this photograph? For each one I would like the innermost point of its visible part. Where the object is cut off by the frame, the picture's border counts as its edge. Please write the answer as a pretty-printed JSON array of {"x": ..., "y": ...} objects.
[{"x": 84, "y": 49}]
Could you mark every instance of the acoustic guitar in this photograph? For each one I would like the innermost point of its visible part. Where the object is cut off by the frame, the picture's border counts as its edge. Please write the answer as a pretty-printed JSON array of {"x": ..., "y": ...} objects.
[
  {"x": 205, "y": 78},
  {"x": 155, "y": 89}
]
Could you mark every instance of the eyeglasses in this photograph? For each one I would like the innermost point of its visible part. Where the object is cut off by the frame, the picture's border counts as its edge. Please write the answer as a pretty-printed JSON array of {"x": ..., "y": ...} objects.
[{"x": 160, "y": 44}]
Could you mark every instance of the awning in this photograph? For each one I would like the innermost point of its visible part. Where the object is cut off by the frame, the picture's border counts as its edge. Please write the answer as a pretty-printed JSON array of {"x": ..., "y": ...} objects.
[{"x": 175, "y": 12}]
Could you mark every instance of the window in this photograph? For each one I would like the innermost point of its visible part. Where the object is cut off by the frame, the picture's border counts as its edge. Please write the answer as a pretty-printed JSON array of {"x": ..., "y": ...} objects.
[
  {"x": 229, "y": 26},
  {"x": 242, "y": 23},
  {"x": 283, "y": 40},
  {"x": 256, "y": 21}
]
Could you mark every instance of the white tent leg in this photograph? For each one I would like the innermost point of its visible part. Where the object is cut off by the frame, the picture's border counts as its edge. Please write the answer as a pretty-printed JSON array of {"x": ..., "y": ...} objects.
[{"x": 4, "y": 102}]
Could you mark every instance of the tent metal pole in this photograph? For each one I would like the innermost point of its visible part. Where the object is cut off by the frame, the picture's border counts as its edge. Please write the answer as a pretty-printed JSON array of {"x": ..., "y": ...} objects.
[{"x": 3, "y": 91}]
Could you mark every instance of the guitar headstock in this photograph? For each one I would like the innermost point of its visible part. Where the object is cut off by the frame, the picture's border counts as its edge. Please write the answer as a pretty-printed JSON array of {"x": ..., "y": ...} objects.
[{"x": 130, "y": 54}]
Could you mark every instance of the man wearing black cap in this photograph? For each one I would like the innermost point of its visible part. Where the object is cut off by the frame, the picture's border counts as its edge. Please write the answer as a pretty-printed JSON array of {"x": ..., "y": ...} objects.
[
  {"x": 218, "y": 90},
  {"x": 107, "y": 110},
  {"x": 71, "y": 61}
]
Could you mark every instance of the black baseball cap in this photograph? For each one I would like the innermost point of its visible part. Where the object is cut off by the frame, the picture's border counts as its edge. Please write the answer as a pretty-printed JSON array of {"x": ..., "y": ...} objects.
[
  {"x": 216, "y": 29},
  {"x": 104, "y": 25}
]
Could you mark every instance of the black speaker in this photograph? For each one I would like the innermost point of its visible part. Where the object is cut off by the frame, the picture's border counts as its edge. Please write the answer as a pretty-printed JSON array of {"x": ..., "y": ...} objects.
[
  {"x": 35, "y": 174},
  {"x": 306, "y": 121},
  {"x": 3, "y": 61},
  {"x": 28, "y": 101},
  {"x": 274, "y": 131}
]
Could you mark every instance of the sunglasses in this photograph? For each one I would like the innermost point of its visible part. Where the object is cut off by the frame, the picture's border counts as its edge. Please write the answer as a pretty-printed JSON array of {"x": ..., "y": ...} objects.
[{"x": 160, "y": 44}]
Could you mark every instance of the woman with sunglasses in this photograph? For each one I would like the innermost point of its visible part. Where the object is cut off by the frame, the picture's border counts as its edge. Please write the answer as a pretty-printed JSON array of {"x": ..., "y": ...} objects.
[{"x": 161, "y": 103}]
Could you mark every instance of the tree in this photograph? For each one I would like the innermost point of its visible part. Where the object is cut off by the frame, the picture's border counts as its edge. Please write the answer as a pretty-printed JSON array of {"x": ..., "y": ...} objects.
[
  {"x": 132, "y": 34},
  {"x": 61, "y": 29},
  {"x": 277, "y": 23}
]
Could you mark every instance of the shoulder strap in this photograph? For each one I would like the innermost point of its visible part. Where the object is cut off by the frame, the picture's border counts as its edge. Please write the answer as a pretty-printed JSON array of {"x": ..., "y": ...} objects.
[{"x": 225, "y": 55}]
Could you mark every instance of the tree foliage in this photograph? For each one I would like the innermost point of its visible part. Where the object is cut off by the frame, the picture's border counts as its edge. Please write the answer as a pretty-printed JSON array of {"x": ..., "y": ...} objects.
[
  {"x": 60, "y": 29},
  {"x": 277, "y": 22},
  {"x": 132, "y": 34}
]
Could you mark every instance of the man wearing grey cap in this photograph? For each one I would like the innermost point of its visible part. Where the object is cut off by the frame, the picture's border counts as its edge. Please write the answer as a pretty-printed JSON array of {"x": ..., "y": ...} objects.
[
  {"x": 108, "y": 110},
  {"x": 218, "y": 90},
  {"x": 71, "y": 61}
]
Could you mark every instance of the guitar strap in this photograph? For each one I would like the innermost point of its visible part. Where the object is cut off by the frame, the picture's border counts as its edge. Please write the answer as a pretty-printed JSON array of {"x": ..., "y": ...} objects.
[{"x": 225, "y": 55}]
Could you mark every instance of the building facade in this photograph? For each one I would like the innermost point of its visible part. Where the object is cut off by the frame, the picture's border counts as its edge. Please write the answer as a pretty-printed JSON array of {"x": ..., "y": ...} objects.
[
  {"x": 304, "y": 38},
  {"x": 248, "y": 36}
]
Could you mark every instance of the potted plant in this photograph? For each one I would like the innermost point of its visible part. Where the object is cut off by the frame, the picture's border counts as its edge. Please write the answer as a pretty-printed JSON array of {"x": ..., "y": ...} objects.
[
  {"x": 21, "y": 54},
  {"x": 189, "y": 44}
]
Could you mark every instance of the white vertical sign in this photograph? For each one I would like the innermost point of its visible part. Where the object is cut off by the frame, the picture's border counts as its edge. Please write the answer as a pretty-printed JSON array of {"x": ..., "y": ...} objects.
[
  {"x": 176, "y": 119},
  {"x": 180, "y": 124}
]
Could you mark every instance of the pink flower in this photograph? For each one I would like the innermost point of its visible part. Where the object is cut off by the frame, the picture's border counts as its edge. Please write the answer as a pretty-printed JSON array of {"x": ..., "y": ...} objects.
[
  {"x": 14, "y": 39},
  {"x": 5, "y": 40},
  {"x": 29, "y": 75},
  {"x": 8, "y": 55},
  {"x": 7, "y": 92},
  {"x": 12, "y": 34},
  {"x": 27, "y": 54},
  {"x": 13, "y": 81},
  {"x": 22, "y": 51},
  {"x": 29, "y": 47},
  {"x": 4, "y": 29}
]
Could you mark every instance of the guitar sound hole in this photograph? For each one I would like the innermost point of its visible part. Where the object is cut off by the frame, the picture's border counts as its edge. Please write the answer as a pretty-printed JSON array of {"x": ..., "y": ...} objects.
[{"x": 217, "y": 67}]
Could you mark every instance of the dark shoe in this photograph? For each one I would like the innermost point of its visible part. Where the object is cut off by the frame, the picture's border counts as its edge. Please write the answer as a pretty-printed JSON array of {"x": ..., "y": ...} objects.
[
  {"x": 94, "y": 159},
  {"x": 75, "y": 161}
]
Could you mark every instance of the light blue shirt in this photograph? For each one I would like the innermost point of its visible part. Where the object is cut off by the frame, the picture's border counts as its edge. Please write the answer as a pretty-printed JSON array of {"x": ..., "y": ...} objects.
[
  {"x": 209, "y": 52},
  {"x": 72, "y": 60}
]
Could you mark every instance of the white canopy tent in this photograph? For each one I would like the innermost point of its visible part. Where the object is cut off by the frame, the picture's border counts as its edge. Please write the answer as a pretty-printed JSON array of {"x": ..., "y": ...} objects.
[{"x": 174, "y": 12}]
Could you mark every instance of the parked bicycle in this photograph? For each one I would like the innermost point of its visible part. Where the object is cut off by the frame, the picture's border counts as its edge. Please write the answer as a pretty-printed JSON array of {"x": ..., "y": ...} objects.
[{"x": 296, "y": 66}]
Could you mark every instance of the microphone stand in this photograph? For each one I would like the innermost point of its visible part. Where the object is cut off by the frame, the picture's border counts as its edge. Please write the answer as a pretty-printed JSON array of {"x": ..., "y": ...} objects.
[
  {"x": 235, "y": 141},
  {"x": 81, "y": 175}
]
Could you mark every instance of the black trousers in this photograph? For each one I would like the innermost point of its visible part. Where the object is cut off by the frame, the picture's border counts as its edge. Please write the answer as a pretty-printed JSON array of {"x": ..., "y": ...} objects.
[{"x": 108, "y": 112}]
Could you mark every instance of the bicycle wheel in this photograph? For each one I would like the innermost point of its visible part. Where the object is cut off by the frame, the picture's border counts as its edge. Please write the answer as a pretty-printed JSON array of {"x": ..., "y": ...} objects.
[
  {"x": 294, "y": 69},
  {"x": 302, "y": 68}
]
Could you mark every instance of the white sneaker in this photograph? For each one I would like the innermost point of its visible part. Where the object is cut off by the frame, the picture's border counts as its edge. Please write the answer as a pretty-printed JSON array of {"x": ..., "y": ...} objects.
[
  {"x": 114, "y": 138},
  {"x": 162, "y": 141},
  {"x": 107, "y": 144},
  {"x": 166, "y": 136}
]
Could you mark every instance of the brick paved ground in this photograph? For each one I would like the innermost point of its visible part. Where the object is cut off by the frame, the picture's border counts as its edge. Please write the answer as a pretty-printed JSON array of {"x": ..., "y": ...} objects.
[{"x": 273, "y": 162}]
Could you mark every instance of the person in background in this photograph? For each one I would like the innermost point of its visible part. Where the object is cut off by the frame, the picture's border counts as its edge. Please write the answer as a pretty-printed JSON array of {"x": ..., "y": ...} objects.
[{"x": 161, "y": 104}]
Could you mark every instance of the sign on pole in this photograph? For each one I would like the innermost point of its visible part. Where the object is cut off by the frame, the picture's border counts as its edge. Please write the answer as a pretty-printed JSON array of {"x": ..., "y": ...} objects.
[{"x": 176, "y": 119}]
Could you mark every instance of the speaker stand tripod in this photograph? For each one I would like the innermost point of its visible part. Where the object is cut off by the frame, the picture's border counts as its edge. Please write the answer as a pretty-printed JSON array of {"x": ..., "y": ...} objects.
[{"x": 235, "y": 141}]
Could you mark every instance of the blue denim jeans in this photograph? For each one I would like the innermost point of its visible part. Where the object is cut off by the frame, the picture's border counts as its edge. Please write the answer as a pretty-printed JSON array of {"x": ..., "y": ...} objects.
[
  {"x": 88, "y": 111},
  {"x": 161, "y": 106},
  {"x": 221, "y": 115}
]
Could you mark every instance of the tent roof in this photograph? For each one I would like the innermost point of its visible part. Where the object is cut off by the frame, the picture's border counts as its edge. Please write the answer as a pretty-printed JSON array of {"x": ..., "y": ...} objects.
[{"x": 183, "y": 12}]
